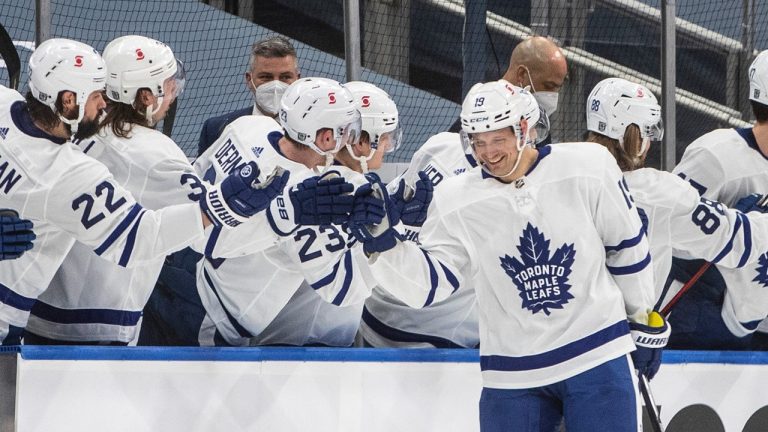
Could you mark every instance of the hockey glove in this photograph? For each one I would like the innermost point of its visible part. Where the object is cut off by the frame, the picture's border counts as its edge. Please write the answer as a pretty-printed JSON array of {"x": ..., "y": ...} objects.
[
  {"x": 754, "y": 202},
  {"x": 650, "y": 340},
  {"x": 374, "y": 217},
  {"x": 16, "y": 235},
  {"x": 412, "y": 205},
  {"x": 322, "y": 200},
  {"x": 241, "y": 195}
]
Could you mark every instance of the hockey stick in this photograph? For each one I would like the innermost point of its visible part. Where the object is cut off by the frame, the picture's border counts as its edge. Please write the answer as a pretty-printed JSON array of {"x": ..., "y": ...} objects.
[
  {"x": 650, "y": 404},
  {"x": 11, "y": 57},
  {"x": 695, "y": 278},
  {"x": 170, "y": 116}
]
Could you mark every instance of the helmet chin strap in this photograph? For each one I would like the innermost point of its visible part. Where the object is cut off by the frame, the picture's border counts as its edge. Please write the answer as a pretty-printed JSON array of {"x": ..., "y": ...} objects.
[
  {"x": 362, "y": 159},
  {"x": 149, "y": 113}
]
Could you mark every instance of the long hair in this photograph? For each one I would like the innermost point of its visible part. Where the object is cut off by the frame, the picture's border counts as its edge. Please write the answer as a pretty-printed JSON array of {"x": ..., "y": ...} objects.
[
  {"x": 121, "y": 117},
  {"x": 627, "y": 157}
]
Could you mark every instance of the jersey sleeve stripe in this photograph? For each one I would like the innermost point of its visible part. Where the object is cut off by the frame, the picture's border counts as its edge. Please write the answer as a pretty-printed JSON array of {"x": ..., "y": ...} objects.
[
  {"x": 210, "y": 245},
  {"x": 130, "y": 242},
  {"x": 628, "y": 243},
  {"x": 452, "y": 279},
  {"x": 432, "y": 280},
  {"x": 236, "y": 325},
  {"x": 634, "y": 268},
  {"x": 747, "y": 229},
  {"x": 85, "y": 316},
  {"x": 120, "y": 229},
  {"x": 398, "y": 335},
  {"x": 347, "y": 279},
  {"x": 728, "y": 246},
  {"x": 15, "y": 300},
  {"x": 557, "y": 355},
  {"x": 327, "y": 279}
]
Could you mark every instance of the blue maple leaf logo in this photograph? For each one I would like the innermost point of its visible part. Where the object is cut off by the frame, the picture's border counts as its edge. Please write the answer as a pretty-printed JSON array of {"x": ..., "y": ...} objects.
[
  {"x": 541, "y": 279},
  {"x": 762, "y": 270}
]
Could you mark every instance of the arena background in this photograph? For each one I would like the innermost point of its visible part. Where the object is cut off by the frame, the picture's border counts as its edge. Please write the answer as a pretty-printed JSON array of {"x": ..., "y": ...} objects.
[{"x": 413, "y": 49}]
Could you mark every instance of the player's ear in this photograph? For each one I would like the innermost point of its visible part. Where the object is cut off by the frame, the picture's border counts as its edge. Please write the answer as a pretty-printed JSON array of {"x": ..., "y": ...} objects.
[
  {"x": 326, "y": 140},
  {"x": 145, "y": 97},
  {"x": 248, "y": 81},
  {"x": 68, "y": 100}
]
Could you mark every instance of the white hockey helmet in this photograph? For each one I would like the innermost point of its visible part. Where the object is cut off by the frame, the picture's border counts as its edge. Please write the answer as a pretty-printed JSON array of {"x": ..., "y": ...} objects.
[
  {"x": 758, "y": 79},
  {"x": 136, "y": 62},
  {"x": 59, "y": 65},
  {"x": 379, "y": 113},
  {"x": 311, "y": 104},
  {"x": 498, "y": 104},
  {"x": 616, "y": 103}
]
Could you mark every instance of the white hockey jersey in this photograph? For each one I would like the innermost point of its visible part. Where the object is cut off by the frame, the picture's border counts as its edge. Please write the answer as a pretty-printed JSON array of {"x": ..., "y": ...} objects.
[
  {"x": 555, "y": 260},
  {"x": 726, "y": 165},
  {"x": 243, "y": 295},
  {"x": 70, "y": 196},
  {"x": 678, "y": 218},
  {"x": 90, "y": 298},
  {"x": 451, "y": 323}
]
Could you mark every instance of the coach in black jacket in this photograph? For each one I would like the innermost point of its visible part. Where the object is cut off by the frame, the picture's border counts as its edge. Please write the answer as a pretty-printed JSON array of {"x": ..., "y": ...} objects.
[{"x": 272, "y": 67}]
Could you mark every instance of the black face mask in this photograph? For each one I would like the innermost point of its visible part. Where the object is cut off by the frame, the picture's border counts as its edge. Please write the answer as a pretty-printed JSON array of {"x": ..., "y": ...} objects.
[{"x": 86, "y": 129}]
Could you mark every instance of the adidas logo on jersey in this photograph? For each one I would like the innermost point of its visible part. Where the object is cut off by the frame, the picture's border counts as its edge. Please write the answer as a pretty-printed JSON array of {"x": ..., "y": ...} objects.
[
  {"x": 4, "y": 132},
  {"x": 257, "y": 150},
  {"x": 459, "y": 171}
]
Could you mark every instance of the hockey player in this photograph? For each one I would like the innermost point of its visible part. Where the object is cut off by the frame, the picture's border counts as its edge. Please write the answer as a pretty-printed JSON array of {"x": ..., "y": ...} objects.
[
  {"x": 16, "y": 235},
  {"x": 90, "y": 299},
  {"x": 235, "y": 299},
  {"x": 453, "y": 322},
  {"x": 70, "y": 196},
  {"x": 726, "y": 306},
  {"x": 556, "y": 300},
  {"x": 308, "y": 319},
  {"x": 625, "y": 117}
]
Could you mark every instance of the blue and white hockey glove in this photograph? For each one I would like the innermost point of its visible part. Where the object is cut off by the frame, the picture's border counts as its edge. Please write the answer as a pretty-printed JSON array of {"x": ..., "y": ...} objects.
[
  {"x": 753, "y": 202},
  {"x": 16, "y": 235},
  {"x": 412, "y": 205},
  {"x": 374, "y": 217},
  {"x": 650, "y": 340},
  {"x": 322, "y": 200},
  {"x": 241, "y": 195}
]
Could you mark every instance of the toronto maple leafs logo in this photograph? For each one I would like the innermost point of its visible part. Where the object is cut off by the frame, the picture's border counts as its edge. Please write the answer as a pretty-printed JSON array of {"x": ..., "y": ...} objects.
[
  {"x": 762, "y": 270},
  {"x": 542, "y": 280}
]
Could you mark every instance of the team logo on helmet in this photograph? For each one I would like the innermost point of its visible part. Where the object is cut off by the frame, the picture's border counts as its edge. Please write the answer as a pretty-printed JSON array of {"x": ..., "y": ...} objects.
[
  {"x": 762, "y": 271},
  {"x": 366, "y": 101},
  {"x": 331, "y": 98},
  {"x": 541, "y": 279},
  {"x": 139, "y": 54},
  {"x": 79, "y": 61}
]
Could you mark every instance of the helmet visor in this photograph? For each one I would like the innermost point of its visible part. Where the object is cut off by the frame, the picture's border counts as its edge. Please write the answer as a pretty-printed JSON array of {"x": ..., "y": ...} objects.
[
  {"x": 392, "y": 139},
  {"x": 540, "y": 131},
  {"x": 350, "y": 133},
  {"x": 180, "y": 77}
]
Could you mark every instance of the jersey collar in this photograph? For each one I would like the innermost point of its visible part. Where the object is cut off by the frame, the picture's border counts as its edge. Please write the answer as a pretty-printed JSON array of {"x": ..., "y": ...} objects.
[
  {"x": 749, "y": 136},
  {"x": 274, "y": 139},
  {"x": 23, "y": 121}
]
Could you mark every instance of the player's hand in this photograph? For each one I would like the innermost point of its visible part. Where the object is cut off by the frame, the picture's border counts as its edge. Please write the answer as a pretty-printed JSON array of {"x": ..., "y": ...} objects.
[
  {"x": 753, "y": 202},
  {"x": 16, "y": 235},
  {"x": 650, "y": 340},
  {"x": 374, "y": 217},
  {"x": 412, "y": 204},
  {"x": 322, "y": 200},
  {"x": 241, "y": 195}
]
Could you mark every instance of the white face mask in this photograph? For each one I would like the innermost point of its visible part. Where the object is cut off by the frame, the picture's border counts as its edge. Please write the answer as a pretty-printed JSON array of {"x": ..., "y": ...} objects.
[
  {"x": 547, "y": 101},
  {"x": 268, "y": 96}
]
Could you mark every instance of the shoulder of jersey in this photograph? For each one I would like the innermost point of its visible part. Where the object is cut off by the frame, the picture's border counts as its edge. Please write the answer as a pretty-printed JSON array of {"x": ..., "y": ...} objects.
[
  {"x": 9, "y": 95},
  {"x": 441, "y": 141},
  {"x": 145, "y": 144},
  {"x": 253, "y": 124},
  {"x": 661, "y": 188},
  {"x": 576, "y": 159},
  {"x": 717, "y": 140}
]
